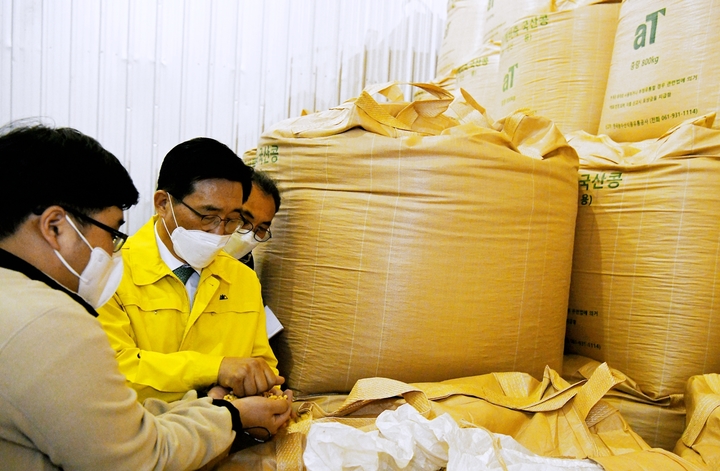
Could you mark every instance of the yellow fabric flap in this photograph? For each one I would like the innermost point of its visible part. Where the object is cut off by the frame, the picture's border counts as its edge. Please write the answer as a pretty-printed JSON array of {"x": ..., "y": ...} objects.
[
  {"x": 372, "y": 389},
  {"x": 510, "y": 390},
  {"x": 702, "y": 398},
  {"x": 648, "y": 460}
]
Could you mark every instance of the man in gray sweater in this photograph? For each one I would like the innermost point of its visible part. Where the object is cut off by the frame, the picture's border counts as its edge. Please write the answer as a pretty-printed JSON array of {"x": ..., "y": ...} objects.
[{"x": 63, "y": 402}]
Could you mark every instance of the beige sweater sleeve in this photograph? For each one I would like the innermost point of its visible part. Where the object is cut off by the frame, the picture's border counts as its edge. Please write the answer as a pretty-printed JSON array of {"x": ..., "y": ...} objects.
[{"x": 69, "y": 402}]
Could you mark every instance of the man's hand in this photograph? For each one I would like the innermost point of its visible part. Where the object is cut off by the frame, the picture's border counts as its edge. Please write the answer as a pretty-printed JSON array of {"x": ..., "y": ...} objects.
[
  {"x": 277, "y": 393},
  {"x": 266, "y": 412},
  {"x": 247, "y": 376},
  {"x": 218, "y": 392}
]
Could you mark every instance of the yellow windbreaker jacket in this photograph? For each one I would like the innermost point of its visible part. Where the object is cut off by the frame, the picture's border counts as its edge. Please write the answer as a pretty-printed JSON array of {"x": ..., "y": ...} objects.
[{"x": 164, "y": 346}]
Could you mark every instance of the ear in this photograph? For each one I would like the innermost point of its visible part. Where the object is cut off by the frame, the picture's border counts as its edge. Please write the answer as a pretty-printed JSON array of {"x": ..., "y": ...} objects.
[
  {"x": 53, "y": 225},
  {"x": 161, "y": 202}
]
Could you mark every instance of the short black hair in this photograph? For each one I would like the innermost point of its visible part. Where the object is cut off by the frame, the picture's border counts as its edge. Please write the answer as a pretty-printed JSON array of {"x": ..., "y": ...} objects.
[
  {"x": 268, "y": 186},
  {"x": 42, "y": 166},
  {"x": 200, "y": 159}
]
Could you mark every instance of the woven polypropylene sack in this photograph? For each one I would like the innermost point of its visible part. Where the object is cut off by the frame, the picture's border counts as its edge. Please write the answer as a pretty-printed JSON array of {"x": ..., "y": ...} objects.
[
  {"x": 646, "y": 272},
  {"x": 418, "y": 256},
  {"x": 463, "y": 37},
  {"x": 557, "y": 65},
  {"x": 502, "y": 13},
  {"x": 664, "y": 67}
]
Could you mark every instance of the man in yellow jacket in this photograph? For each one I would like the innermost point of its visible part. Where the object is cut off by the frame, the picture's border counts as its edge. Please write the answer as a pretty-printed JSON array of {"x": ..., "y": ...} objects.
[{"x": 187, "y": 315}]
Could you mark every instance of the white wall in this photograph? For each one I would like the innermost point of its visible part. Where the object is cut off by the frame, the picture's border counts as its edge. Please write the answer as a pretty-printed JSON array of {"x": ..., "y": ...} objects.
[{"x": 144, "y": 75}]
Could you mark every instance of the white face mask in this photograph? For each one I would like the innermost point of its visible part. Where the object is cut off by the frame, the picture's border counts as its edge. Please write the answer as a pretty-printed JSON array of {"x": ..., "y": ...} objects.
[
  {"x": 101, "y": 276},
  {"x": 240, "y": 245},
  {"x": 197, "y": 248}
]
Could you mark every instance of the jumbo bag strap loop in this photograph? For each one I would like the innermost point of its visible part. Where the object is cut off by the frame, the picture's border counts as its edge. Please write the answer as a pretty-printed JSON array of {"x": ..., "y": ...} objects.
[
  {"x": 702, "y": 399},
  {"x": 393, "y": 92},
  {"x": 553, "y": 393},
  {"x": 379, "y": 113},
  {"x": 513, "y": 390},
  {"x": 390, "y": 90},
  {"x": 423, "y": 116},
  {"x": 703, "y": 410},
  {"x": 601, "y": 381},
  {"x": 532, "y": 136}
]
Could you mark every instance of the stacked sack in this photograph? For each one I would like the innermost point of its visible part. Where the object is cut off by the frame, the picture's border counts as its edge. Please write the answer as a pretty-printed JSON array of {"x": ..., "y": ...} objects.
[
  {"x": 664, "y": 68},
  {"x": 462, "y": 41},
  {"x": 463, "y": 35},
  {"x": 469, "y": 55},
  {"x": 556, "y": 65},
  {"x": 549, "y": 57},
  {"x": 417, "y": 241},
  {"x": 503, "y": 13},
  {"x": 397, "y": 257},
  {"x": 642, "y": 295},
  {"x": 646, "y": 272}
]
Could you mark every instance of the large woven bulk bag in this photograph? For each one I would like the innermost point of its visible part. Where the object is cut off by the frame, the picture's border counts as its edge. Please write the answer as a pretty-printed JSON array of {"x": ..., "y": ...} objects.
[
  {"x": 645, "y": 292},
  {"x": 502, "y": 13},
  {"x": 664, "y": 69},
  {"x": 557, "y": 65},
  {"x": 463, "y": 37},
  {"x": 416, "y": 243},
  {"x": 480, "y": 78}
]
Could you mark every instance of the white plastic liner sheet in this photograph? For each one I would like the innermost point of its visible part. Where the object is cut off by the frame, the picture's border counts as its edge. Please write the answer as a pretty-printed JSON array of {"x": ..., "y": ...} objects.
[{"x": 405, "y": 440}]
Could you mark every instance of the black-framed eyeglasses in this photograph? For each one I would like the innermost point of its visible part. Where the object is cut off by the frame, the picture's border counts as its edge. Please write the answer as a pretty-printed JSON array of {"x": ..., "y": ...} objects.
[
  {"x": 209, "y": 222},
  {"x": 261, "y": 234},
  {"x": 118, "y": 238}
]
